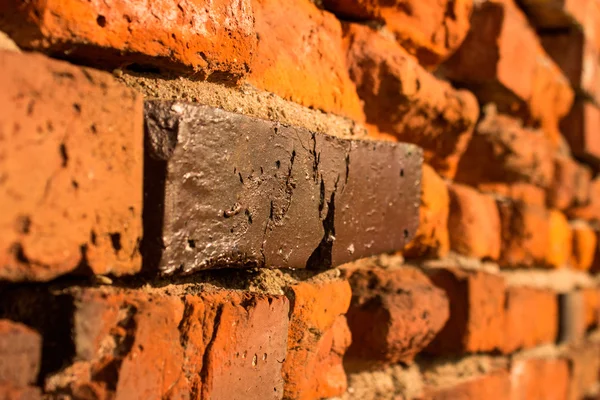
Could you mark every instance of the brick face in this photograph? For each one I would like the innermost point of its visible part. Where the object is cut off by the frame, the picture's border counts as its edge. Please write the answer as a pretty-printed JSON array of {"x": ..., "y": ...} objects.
[
  {"x": 539, "y": 379},
  {"x": 494, "y": 386},
  {"x": 72, "y": 135},
  {"x": 585, "y": 242},
  {"x": 20, "y": 354}
]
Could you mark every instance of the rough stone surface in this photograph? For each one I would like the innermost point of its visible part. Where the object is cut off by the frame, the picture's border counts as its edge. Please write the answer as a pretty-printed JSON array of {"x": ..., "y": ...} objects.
[
  {"x": 430, "y": 30},
  {"x": 318, "y": 337},
  {"x": 245, "y": 192},
  {"x": 431, "y": 238},
  {"x": 403, "y": 99},
  {"x": 395, "y": 313},
  {"x": 580, "y": 128},
  {"x": 308, "y": 68},
  {"x": 20, "y": 354},
  {"x": 500, "y": 39},
  {"x": 531, "y": 318},
  {"x": 585, "y": 242},
  {"x": 502, "y": 151},
  {"x": 473, "y": 223},
  {"x": 476, "y": 322},
  {"x": 70, "y": 170},
  {"x": 196, "y": 36},
  {"x": 538, "y": 378}
]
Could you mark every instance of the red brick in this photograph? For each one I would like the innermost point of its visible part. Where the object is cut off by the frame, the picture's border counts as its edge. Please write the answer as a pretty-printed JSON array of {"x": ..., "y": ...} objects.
[
  {"x": 502, "y": 151},
  {"x": 20, "y": 354},
  {"x": 71, "y": 168},
  {"x": 585, "y": 243},
  {"x": 430, "y": 30},
  {"x": 491, "y": 386},
  {"x": 403, "y": 99},
  {"x": 584, "y": 361},
  {"x": 591, "y": 303},
  {"x": 476, "y": 322},
  {"x": 580, "y": 128},
  {"x": 395, "y": 313},
  {"x": 308, "y": 69},
  {"x": 539, "y": 379},
  {"x": 213, "y": 345},
  {"x": 9, "y": 392},
  {"x": 560, "y": 240},
  {"x": 518, "y": 191},
  {"x": 500, "y": 38},
  {"x": 431, "y": 238},
  {"x": 571, "y": 184},
  {"x": 317, "y": 340},
  {"x": 473, "y": 223},
  {"x": 531, "y": 318},
  {"x": 196, "y": 36}
]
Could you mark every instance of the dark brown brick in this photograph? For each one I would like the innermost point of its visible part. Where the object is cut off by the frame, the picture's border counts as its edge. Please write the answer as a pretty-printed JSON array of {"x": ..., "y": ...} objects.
[
  {"x": 241, "y": 191},
  {"x": 70, "y": 170}
]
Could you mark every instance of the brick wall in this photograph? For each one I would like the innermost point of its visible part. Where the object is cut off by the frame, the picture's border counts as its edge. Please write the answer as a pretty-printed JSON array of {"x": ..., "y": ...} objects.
[{"x": 327, "y": 199}]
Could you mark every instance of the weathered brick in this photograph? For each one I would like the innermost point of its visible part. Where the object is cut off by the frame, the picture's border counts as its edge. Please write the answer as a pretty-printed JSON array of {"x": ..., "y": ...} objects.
[
  {"x": 70, "y": 170},
  {"x": 500, "y": 38},
  {"x": 431, "y": 238},
  {"x": 145, "y": 343},
  {"x": 502, "y": 151},
  {"x": 318, "y": 337},
  {"x": 560, "y": 241},
  {"x": 195, "y": 36},
  {"x": 584, "y": 361},
  {"x": 591, "y": 210},
  {"x": 494, "y": 385},
  {"x": 305, "y": 68},
  {"x": 401, "y": 98},
  {"x": 580, "y": 128},
  {"x": 430, "y": 30},
  {"x": 531, "y": 317},
  {"x": 525, "y": 234},
  {"x": 282, "y": 197},
  {"x": 585, "y": 242},
  {"x": 518, "y": 191},
  {"x": 539, "y": 379},
  {"x": 20, "y": 354},
  {"x": 476, "y": 322},
  {"x": 571, "y": 184},
  {"x": 473, "y": 223},
  {"x": 395, "y": 313}
]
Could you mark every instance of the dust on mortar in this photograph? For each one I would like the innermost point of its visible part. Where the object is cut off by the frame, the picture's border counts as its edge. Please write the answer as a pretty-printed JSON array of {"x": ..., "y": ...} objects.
[{"x": 447, "y": 372}]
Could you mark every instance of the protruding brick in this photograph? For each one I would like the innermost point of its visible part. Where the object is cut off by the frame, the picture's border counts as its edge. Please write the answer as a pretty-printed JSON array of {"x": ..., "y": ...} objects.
[
  {"x": 585, "y": 242},
  {"x": 70, "y": 170},
  {"x": 525, "y": 234},
  {"x": 502, "y": 151},
  {"x": 197, "y": 35},
  {"x": 500, "y": 38},
  {"x": 150, "y": 344},
  {"x": 571, "y": 184},
  {"x": 20, "y": 354},
  {"x": 395, "y": 313},
  {"x": 531, "y": 318},
  {"x": 431, "y": 238},
  {"x": 401, "y": 98},
  {"x": 317, "y": 340},
  {"x": 238, "y": 191},
  {"x": 560, "y": 241},
  {"x": 580, "y": 127},
  {"x": 539, "y": 379},
  {"x": 492, "y": 385},
  {"x": 430, "y": 30},
  {"x": 307, "y": 69},
  {"x": 474, "y": 223},
  {"x": 476, "y": 322}
]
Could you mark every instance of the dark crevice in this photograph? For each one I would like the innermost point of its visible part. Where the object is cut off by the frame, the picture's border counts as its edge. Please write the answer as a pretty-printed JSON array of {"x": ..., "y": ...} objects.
[
  {"x": 206, "y": 356},
  {"x": 321, "y": 257}
]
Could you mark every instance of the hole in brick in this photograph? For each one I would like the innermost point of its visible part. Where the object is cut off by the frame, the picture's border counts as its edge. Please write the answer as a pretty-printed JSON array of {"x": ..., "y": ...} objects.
[
  {"x": 406, "y": 234},
  {"x": 93, "y": 237},
  {"x": 23, "y": 224},
  {"x": 64, "y": 155},
  {"x": 249, "y": 215},
  {"x": 101, "y": 21},
  {"x": 115, "y": 239},
  {"x": 402, "y": 172},
  {"x": 254, "y": 360},
  {"x": 77, "y": 108},
  {"x": 75, "y": 184},
  {"x": 278, "y": 164},
  {"x": 191, "y": 243},
  {"x": 93, "y": 129}
]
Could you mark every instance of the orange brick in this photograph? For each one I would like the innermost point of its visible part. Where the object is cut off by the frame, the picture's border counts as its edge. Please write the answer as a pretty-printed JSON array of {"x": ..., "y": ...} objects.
[
  {"x": 531, "y": 318},
  {"x": 560, "y": 241},
  {"x": 584, "y": 246},
  {"x": 476, "y": 321},
  {"x": 590, "y": 211},
  {"x": 500, "y": 38},
  {"x": 502, "y": 151},
  {"x": 395, "y": 313},
  {"x": 539, "y": 379},
  {"x": 580, "y": 128},
  {"x": 571, "y": 184},
  {"x": 549, "y": 14},
  {"x": 405, "y": 100},
  {"x": 473, "y": 223},
  {"x": 491, "y": 386},
  {"x": 521, "y": 192},
  {"x": 525, "y": 234},
  {"x": 591, "y": 302},
  {"x": 431, "y": 238},
  {"x": 71, "y": 165},
  {"x": 318, "y": 337},
  {"x": 308, "y": 69},
  {"x": 584, "y": 361},
  {"x": 194, "y": 36},
  {"x": 431, "y": 30}
]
